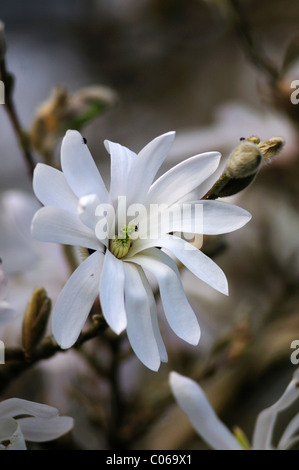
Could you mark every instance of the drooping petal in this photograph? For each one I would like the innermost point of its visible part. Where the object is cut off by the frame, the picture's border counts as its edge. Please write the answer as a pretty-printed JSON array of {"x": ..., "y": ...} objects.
[
  {"x": 11, "y": 432},
  {"x": 51, "y": 188},
  {"x": 43, "y": 430},
  {"x": 58, "y": 226},
  {"x": 154, "y": 317},
  {"x": 139, "y": 329},
  {"x": 183, "y": 178},
  {"x": 76, "y": 299},
  {"x": 112, "y": 294},
  {"x": 195, "y": 260},
  {"x": 192, "y": 400},
  {"x": 263, "y": 432},
  {"x": 121, "y": 162},
  {"x": 80, "y": 169},
  {"x": 178, "y": 311},
  {"x": 145, "y": 167},
  {"x": 17, "y": 406}
]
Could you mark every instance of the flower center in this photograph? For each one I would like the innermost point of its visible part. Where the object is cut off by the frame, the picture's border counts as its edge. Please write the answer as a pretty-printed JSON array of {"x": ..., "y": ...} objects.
[{"x": 121, "y": 243}]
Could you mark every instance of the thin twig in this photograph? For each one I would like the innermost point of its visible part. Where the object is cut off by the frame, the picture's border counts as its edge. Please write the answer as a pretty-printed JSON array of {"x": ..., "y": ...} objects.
[
  {"x": 22, "y": 136},
  {"x": 17, "y": 362}
]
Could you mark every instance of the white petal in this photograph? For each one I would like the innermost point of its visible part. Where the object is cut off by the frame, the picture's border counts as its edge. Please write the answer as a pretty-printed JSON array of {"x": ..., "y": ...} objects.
[
  {"x": 86, "y": 210},
  {"x": 202, "y": 217},
  {"x": 10, "y": 431},
  {"x": 112, "y": 294},
  {"x": 196, "y": 261},
  {"x": 183, "y": 178},
  {"x": 17, "y": 406},
  {"x": 221, "y": 217},
  {"x": 289, "y": 432},
  {"x": 178, "y": 311},
  {"x": 139, "y": 330},
  {"x": 58, "y": 226},
  {"x": 192, "y": 400},
  {"x": 146, "y": 165},
  {"x": 154, "y": 316},
  {"x": 80, "y": 169},
  {"x": 121, "y": 162},
  {"x": 51, "y": 188},
  {"x": 43, "y": 430},
  {"x": 75, "y": 300},
  {"x": 263, "y": 432}
]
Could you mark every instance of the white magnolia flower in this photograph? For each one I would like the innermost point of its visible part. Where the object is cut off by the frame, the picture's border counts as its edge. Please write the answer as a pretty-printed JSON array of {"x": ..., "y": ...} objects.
[
  {"x": 23, "y": 420},
  {"x": 192, "y": 400},
  {"x": 6, "y": 312},
  {"x": 116, "y": 265}
]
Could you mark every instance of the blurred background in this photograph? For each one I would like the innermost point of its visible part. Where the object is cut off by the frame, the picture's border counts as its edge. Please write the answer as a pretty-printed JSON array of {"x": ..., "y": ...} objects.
[{"x": 214, "y": 71}]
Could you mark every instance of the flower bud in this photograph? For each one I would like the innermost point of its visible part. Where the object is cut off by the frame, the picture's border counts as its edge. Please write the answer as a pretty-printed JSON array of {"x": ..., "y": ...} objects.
[
  {"x": 35, "y": 320},
  {"x": 64, "y": 111},
  {"x": 244, "y": 164}
]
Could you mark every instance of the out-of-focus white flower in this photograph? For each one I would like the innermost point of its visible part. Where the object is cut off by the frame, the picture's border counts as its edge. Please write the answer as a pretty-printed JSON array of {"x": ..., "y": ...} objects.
[
  {"x": 192, "y": 400},
  {"x": 117, "y": 261},
  {"x": 40, "y": 423},
  {"x": 6, "y": 312}
]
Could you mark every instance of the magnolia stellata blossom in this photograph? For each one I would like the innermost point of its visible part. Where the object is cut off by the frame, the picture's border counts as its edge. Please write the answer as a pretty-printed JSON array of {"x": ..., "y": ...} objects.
[
  {"x": 192, "y": 400},
  {"x": 40, "y": 423},
  {"x": 76, "y": 198}
]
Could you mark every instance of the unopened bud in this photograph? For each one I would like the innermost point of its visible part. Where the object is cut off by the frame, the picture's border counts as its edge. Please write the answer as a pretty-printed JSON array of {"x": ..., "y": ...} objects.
[
  {"x": 35, "y": 320},
  {"x": 244, "y": 164},
  {"x": 244, "y": 161}
]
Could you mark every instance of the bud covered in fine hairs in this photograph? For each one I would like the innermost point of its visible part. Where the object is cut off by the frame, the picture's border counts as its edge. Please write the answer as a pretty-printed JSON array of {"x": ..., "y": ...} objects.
[
  {"x": 35, "y": 320},
  {"x": 244, "y": 164}
]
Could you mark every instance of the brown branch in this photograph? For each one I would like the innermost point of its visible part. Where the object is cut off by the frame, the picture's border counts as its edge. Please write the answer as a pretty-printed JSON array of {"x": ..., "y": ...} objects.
[{"x": 18, "y": 362}]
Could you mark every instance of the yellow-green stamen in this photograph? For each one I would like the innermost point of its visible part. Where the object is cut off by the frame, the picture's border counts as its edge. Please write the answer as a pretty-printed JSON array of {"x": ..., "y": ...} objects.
[{"x": 120, "y": 244}]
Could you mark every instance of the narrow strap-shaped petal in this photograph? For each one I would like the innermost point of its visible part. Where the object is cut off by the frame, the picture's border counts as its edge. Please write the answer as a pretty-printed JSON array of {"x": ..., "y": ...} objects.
[
  {"x": 154, "y": 316},
  {"x": 43, "y": 430},
  {"x": 51, "y": 188},
  {"x": 17, "y": 406},
  {"x": 80, "y": 169},
  {"x": 112, "y": 294},
  {"x": 121, "y": 162},
  {"x": 183, "y": 178},
  {"x": 192, "y": 400},
  {"x": 221, "y": 217},
  {"x": 10, "y": 432},
  {"x": 139, "y": 329},
  {"x": 76, "y": 299},
  {"x": 145, "y": 167},
  {"x": 178, "y": 311},
  {"x": 202, "y": 217},
  {"x": 195, "y": 260},
  {"x": 59, "y": 226},
  {"x": 263, "y": 432}
]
